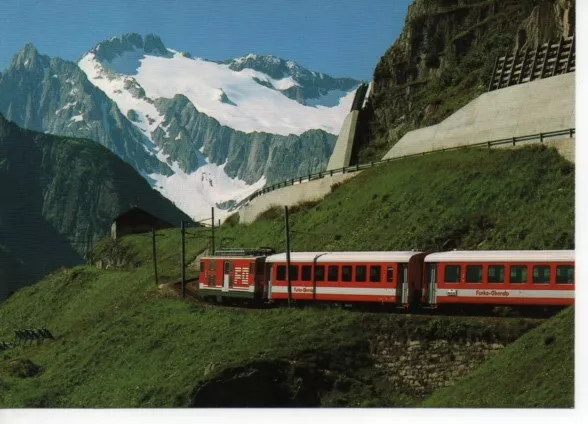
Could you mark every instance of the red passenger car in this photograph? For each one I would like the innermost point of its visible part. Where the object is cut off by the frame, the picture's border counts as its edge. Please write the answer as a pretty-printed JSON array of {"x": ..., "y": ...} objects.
[
  {"x": 235, "y": 273},
  {"x": 383, "y": 277},
  {"x": 515, "y": 277}
]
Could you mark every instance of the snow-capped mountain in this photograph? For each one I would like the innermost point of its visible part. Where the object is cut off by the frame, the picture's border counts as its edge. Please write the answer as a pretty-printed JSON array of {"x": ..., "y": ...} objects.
[
  {"x": 245, "y": 94},
  {"x": 204, "y": 133}
]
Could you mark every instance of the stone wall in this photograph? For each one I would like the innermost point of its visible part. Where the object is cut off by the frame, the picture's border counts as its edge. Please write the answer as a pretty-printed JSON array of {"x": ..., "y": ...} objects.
[{"x": 419, "y": 367}]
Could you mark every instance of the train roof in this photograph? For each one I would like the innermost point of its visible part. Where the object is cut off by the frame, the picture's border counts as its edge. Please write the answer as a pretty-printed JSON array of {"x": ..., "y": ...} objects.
[
  {"x": 322, "y": 257},
  {"x": 232, "y": 258},
  {"x": 501, "y": 256},
  {"x": 240, "y": 253}
]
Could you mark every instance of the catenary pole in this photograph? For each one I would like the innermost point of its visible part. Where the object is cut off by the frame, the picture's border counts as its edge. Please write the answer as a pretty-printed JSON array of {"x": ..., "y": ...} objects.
[
  {"x": 183, "y": 260},
  {"x": 154, "y": 254},
  {"x": 287, "y": 226},
  {"x": 212, "y": 230}
]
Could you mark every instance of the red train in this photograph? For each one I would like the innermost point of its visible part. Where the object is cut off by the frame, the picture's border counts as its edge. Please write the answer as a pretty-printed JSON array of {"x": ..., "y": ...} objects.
[{"x": 402, "y": 279}]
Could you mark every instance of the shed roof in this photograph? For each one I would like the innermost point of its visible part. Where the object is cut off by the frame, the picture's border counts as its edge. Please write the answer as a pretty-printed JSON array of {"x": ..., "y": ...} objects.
[{"x": 138, "y": 211}]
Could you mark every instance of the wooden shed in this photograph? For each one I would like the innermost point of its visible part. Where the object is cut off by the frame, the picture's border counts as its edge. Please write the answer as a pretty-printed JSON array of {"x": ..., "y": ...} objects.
[{"x": 135, "y": 221}]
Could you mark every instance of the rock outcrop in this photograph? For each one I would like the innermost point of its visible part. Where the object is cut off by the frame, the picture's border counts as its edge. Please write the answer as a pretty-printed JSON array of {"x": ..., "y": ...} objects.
[{"x": 444, "y": 56}]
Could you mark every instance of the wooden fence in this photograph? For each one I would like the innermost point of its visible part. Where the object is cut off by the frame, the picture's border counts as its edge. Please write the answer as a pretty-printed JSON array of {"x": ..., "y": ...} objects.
[{"x": 547, "y": 60}]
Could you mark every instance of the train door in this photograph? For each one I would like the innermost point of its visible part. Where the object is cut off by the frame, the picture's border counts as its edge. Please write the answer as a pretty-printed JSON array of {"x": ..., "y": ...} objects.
[
  {"x": 269, "y": 271},
  {"x": 211, "y": 273},
  {"x": 227, "y": 275},
  {"x": 403, "y": 283},
  {"x": 432, "y": 284}
]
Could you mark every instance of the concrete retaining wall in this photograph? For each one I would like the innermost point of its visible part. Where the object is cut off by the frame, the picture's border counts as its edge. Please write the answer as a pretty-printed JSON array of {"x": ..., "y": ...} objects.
[
  {"x": 531, "y": 108},
  {"x": 290, "y": 196},
  {"x": 342, "y": 152}
]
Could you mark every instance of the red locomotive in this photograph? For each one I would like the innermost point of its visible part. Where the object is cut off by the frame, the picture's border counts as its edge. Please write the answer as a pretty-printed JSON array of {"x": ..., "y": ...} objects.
[
  {"x": 402, "y": 279},
  {"x": 235, "y": 273}
]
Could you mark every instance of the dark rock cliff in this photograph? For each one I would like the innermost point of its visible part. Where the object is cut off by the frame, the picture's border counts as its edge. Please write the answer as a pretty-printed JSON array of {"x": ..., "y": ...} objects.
[
  {"x": 444, "y": 56},
  {"x": 58, "y": 196}
]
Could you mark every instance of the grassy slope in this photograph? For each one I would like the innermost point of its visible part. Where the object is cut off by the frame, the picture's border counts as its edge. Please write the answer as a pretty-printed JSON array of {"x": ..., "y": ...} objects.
[
  {"x": 121, "y": 342},
  {"x": 535, "y": 371},
  {"x": 475, "y": 199}
]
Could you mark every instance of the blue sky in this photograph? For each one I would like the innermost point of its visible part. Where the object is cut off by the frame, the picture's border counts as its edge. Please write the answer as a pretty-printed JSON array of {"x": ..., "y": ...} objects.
[{"x": 338, "y": 37}]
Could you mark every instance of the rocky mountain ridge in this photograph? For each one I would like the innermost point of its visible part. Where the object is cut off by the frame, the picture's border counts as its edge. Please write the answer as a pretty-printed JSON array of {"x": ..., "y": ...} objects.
[
  {"x": 53, "y": 95},
  {"x": 309, "y": 86}
]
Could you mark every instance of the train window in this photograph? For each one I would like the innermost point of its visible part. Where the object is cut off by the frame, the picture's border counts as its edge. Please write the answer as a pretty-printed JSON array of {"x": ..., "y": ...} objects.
[
  {"x": 306, "y": 273},
  {"x": 541, "y": 274},
  {"x": 452, "y": 273},
  {"x": 518, "y": 274},
  {"x": 496, "y": 273},
  {"x": 333, "y": 273},
  {"x": 390, "y": 274},
  {"x": 319, "y": 273},
  {"x": 227, "y": 267},
  {"x": 360, "y": 273},
  {"x": 564, "y": 274},
  {"x": 212, "y": 266},
  {"x": 259, "y": 268},
  {"x": 281, "y": 274},
  {"x": 474, "y": 274},
  {"x": 346, "y": 273},
  {"x": 375, "y": 273},
  {"x": 293, "y": 272},
  {"x": 201, "y": 266}
]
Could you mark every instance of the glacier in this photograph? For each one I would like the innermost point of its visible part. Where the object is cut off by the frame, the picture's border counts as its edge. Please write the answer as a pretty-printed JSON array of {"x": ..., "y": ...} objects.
[{"x": 258, "y": 107}]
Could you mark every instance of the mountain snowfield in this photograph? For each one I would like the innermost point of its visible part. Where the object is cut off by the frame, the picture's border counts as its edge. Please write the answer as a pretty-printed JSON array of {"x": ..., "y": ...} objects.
[
  {"x": 246, "y": 100},
  {"x": 197, "y": 192},
  {"x": 235, "y": 99}
]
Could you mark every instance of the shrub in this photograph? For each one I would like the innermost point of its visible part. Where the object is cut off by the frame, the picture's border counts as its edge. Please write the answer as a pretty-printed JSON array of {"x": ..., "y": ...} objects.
[{"x": 232, "y": 220}]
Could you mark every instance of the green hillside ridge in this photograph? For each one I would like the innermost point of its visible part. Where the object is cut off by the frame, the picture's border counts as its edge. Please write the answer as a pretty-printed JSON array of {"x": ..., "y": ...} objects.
[
  {"x": 536, "y": 371},
  {"x": 123, "y": 342},
  {"x": 58, "y": 197}
]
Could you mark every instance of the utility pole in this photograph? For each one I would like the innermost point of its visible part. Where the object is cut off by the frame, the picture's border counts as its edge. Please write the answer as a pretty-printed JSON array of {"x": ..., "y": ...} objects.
[
  {"x": 183, "y": 260},
  {"x": 212, "y": 230},
  {"x": 154, "y": 254},
  {"x": 288, "y": 256}
]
